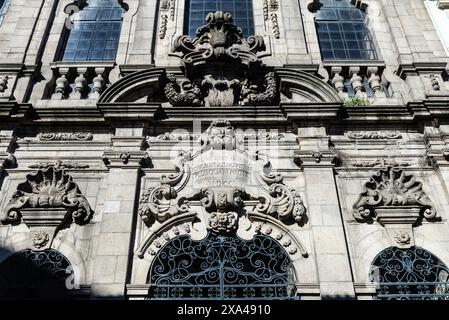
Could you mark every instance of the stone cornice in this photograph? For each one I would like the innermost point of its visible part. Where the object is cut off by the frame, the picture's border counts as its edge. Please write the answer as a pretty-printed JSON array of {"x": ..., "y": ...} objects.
[{"x": 417, "y": 68}]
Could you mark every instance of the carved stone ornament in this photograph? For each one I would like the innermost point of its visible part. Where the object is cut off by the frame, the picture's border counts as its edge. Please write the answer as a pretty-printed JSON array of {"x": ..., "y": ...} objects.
[
  {"x": 221, "y": 178},
  {"x": 40, "y": 239},
  {"x": 223, "y": 222},
  {"x": 182, "y": 94},
  {"x": 59, "y": 165},
  {"x": 49, "y": 189},
  {"x": 221, "y": 67},
  {"x": 219, "y": 40},
  {"x": 392, "y": 188},
  {"x": 65, "y": 136},
  {"x": 284, "y": 204},
  {"x": 402, "y": 238},
  {"x": 160, "y": 204},
  {"x": 374, "y": 135}
]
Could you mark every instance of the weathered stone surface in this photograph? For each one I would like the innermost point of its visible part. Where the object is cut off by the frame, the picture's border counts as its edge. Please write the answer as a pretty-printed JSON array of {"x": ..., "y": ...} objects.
[{"x": 228, "y": 133}]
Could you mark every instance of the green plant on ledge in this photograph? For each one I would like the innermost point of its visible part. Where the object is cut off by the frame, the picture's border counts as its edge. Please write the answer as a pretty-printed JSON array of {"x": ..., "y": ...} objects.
[{"x": 356, "y": 102}]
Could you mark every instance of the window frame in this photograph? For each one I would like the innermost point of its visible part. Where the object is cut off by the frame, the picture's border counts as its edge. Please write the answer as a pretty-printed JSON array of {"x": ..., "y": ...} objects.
[
  {"x": 248, "y": 30},
  {"x": 367, "y": 52},
  {"x": 91, "y": 25}
]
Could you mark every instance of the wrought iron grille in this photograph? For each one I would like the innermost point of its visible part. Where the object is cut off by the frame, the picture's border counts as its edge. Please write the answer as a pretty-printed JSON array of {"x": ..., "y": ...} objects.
[
  {"x": 222, "y": 268},
  {"x": 409, "y": 274},
  {"x": 33, "y": 275}
]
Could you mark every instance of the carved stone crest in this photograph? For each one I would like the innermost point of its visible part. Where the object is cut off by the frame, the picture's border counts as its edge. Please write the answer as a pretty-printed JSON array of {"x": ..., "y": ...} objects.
[
  {"x": 222, "y": 67},
  {"x": 222, "y": 179}
]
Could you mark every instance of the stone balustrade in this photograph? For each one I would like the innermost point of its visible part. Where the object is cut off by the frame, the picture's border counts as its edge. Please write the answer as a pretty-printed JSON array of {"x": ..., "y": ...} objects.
[
  {"x": 77, "y": 81},
  {"x": 363, "y": 81}
]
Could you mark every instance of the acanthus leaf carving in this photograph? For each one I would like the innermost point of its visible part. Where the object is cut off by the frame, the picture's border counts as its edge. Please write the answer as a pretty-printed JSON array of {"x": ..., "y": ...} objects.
[
  {"x": 392, "y": 187},
  {"x": 165, "y": 4},
  {"x": 49, "y": 188},
  {"x": 275, "y": 24},
  {"x": 219, "y": 136}
]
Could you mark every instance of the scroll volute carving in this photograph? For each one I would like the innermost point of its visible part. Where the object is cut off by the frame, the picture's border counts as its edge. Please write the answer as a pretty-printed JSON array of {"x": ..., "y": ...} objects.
[
  {"x": 163, "y": 202},
  {"x": 392, "y": 188}
]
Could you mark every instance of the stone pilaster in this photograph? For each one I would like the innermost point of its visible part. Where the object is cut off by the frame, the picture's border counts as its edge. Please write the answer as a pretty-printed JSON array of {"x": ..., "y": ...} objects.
[{"x": 332, "y": 257}]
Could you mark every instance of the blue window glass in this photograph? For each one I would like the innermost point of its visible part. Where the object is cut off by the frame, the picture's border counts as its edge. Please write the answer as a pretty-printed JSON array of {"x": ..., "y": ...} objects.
[
  {"x": 342, "y": 31},
  {"x": 4, "y": 6},
  {"x": 96, "y": 32},
  {"x": 241, "y": 10}
]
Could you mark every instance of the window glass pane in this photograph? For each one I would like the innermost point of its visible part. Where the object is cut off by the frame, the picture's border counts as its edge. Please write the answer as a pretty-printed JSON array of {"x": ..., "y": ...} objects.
[
  {"x": 345, "y": 26},
  {"x": 96, "y": 32},
  {"x": 241, "y": 10}
]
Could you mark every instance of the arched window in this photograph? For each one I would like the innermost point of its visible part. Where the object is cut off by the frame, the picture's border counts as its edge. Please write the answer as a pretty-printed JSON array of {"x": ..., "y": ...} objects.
[
  {"x": 342, "y": 31},
  {"x": 409, "y": 274},
  {"x": 95, "y": 32},
  {"x": 35, "y": 275},
  {"x": 241, "y": 10},
  {"x": 4, "y": 6},
  {"x": 221, "y": 267}
]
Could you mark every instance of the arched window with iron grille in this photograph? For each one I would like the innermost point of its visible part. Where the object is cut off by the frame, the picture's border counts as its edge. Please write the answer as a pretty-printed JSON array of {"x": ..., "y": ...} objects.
[
  {"x": 220, "y": 268},
  {"x": 409, "y": 274},
  {"x": 32, "y": 275}
]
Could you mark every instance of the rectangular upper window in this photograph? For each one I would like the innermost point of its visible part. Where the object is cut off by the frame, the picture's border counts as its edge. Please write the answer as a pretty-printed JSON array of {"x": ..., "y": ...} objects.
[
  {"x": 96, "y": 32},
  {"x": 241, "y": 10},
  {"x": 342, "y": 31}
]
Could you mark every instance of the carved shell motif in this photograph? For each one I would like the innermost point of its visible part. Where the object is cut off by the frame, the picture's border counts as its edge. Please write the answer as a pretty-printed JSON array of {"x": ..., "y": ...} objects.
[
  {"x": 49, "y": 188},
  {"x": 391, "y": 187}
]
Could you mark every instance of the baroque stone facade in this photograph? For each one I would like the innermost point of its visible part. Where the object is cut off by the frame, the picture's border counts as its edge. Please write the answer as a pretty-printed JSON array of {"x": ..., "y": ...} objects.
[{"x": 225, "y": 143}]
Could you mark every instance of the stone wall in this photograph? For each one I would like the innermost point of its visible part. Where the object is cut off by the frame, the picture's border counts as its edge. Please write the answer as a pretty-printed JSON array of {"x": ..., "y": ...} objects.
[{"x": 120, "y": 141}]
